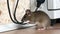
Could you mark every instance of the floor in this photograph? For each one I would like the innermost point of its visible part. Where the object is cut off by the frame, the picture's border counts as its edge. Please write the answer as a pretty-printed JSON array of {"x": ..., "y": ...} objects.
[{"x": 31, "y": 30}]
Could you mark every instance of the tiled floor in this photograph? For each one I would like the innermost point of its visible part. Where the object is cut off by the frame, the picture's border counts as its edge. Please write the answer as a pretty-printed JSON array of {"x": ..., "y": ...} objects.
[{"x": 31, "y": 30}]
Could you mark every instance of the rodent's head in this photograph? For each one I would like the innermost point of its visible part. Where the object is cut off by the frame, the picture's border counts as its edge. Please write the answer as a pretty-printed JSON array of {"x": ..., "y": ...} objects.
[{"x": 27, "y": 15}]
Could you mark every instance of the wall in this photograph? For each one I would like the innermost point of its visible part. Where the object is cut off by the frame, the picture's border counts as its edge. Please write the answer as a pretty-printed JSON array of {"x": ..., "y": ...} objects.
[{"x": 4, "y": 15}]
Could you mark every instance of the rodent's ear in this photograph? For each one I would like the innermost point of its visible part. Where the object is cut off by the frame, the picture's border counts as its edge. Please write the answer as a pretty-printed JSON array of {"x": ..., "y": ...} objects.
[{"x": 28, "y": 11}]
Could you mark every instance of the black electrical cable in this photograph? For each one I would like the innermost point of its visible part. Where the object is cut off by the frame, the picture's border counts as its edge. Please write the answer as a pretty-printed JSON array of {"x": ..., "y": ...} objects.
[
  {"x": 15, "y": 11},
  {"x": 17, "y": 22},
  {"x": 39, "y": 2},
  {"x": 15, "y": 14},
  {"x": 9, "y": 11}
]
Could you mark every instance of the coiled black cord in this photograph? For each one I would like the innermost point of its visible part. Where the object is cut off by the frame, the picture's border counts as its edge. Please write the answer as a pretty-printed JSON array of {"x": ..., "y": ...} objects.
[
  {"x": 15, "y": 12},
  {"x": 16, "y": 21}
]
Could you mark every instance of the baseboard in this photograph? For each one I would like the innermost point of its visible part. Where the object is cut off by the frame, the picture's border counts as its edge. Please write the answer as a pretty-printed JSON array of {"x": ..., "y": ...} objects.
[
  {"x": 12, "y": 26},
  {"x": 57, "y": 20},
  {"x": 54, "y": 21}
]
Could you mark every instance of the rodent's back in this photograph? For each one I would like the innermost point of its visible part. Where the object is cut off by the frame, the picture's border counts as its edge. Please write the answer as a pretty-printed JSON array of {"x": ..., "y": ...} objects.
[{"x": 40, "y": 16}]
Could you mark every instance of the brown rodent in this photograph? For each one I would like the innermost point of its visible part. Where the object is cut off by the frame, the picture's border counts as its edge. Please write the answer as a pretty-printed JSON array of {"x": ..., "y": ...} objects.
[{"x": 38, "y": 17}]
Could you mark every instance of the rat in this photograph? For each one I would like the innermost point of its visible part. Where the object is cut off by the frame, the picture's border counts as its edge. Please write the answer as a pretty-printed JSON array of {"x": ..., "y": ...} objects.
[{"x": 40, "y": 18}]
